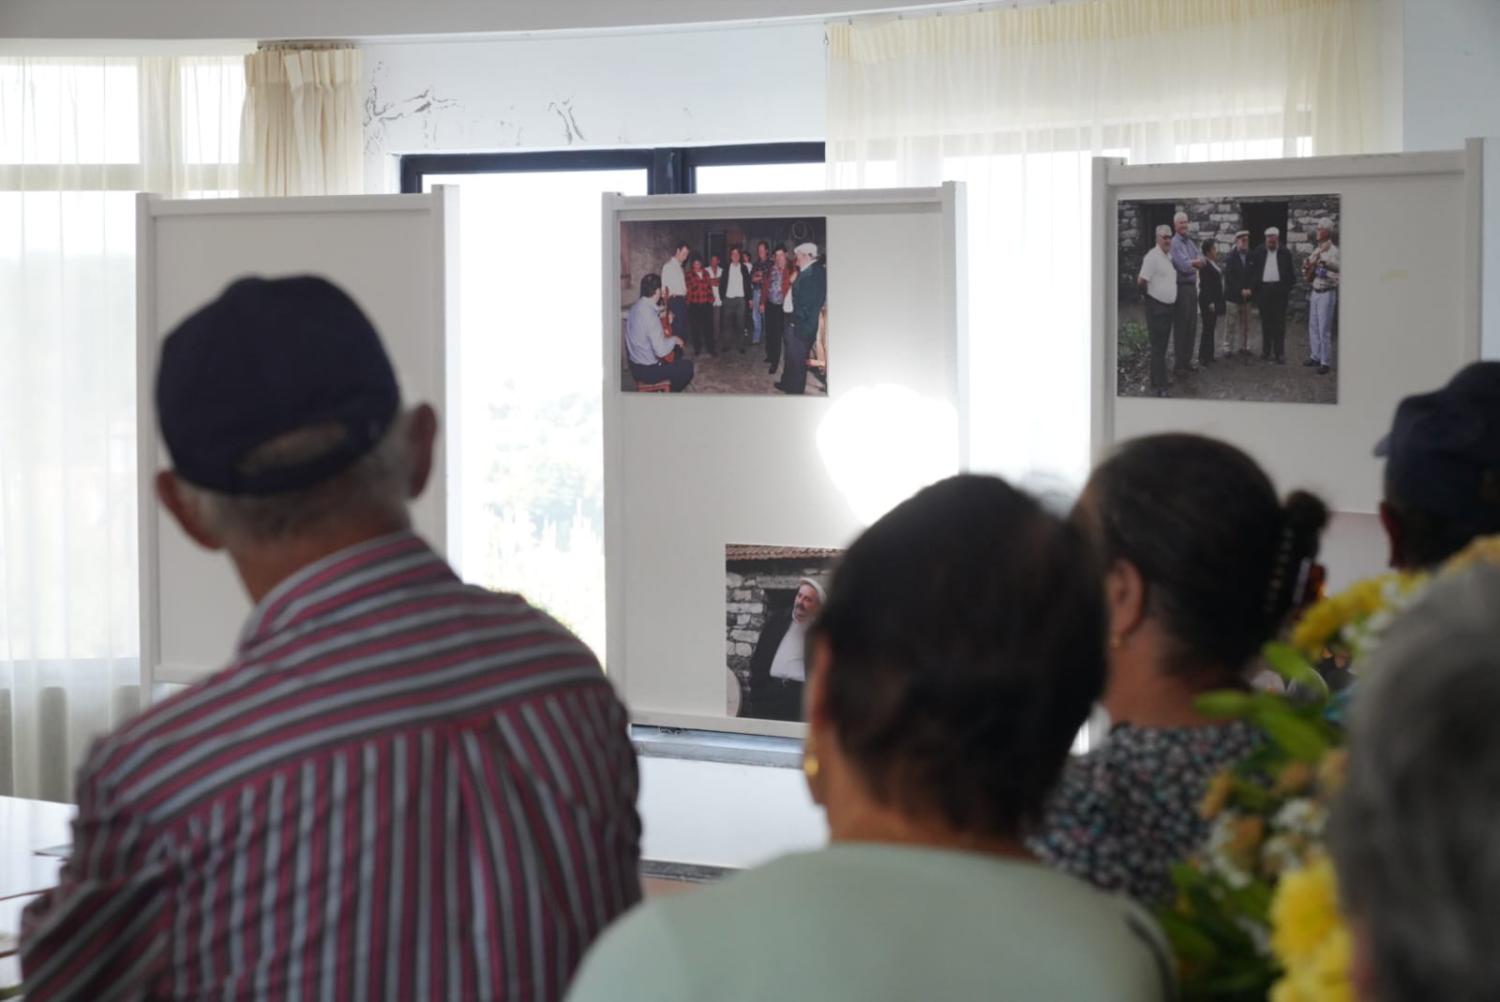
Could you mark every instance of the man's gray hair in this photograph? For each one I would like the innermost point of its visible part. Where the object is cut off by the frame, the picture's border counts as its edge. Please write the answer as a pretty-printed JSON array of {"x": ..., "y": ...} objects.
[
  {"x": 1414, "y": 834},
  {"x": 1180, "y": 217},
  {"x": 376, "y": 483},
  {"x": 1164, "y": 230}
]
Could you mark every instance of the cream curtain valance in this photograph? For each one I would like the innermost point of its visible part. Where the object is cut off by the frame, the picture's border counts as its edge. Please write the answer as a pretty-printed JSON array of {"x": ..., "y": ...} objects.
[
  {"x": 301, "y": 124},
  {"x": 1147, "y": 75}
]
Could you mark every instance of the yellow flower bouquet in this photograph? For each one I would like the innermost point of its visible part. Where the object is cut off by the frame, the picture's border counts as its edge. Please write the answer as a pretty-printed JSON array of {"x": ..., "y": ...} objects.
[
  {"x": 1246, "y": 921},
  {"x": 1256, "y": 913}
]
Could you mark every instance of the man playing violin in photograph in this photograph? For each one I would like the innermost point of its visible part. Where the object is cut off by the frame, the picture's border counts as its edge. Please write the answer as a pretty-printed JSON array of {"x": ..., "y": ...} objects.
[{"x": 654, "y": 357}]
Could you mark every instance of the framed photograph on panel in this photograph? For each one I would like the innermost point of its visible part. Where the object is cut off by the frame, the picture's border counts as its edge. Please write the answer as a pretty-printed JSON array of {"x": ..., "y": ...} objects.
[
  {"x": 725, "y": 305},
  {"x": 1224, "y": 297},
  {"x": 771, "y": 595},
  {"x": 740, "y": 457},
  {"x": 1285, "y": 306}
]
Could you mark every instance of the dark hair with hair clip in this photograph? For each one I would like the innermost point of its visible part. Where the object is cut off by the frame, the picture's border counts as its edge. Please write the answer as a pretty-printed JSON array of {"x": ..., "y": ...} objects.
[
  {"x": 1221, "y": 558},
  {"x": 966, "y": 629}
]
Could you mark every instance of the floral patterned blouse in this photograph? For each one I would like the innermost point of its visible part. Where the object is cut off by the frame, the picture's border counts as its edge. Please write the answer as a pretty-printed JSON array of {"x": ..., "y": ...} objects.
[{"x": 1124, "y": 813}]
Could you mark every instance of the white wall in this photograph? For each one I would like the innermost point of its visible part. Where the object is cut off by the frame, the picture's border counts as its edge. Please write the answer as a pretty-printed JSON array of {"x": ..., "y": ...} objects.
[
  {"x": 705, "y": 86},
  {"x": 1451, "y": 70},
  {"x": 716, "y": 814},
  {"x": 1450, "y": 66}
]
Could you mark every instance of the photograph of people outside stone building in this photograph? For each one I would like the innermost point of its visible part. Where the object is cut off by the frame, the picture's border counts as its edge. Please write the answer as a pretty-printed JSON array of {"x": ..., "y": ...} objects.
[
  {"x": 725, "y": 306},
  {"x": 772, "y": 594},
  {"x": 1230, "y": 298}
]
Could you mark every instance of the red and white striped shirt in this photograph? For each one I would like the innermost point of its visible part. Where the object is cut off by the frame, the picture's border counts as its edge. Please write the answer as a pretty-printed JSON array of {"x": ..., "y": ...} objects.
[{"x": 403, "y": 788}]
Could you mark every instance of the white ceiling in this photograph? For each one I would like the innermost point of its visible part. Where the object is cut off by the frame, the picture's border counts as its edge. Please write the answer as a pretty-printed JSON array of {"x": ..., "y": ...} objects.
[{"x": 272, "y": 19}]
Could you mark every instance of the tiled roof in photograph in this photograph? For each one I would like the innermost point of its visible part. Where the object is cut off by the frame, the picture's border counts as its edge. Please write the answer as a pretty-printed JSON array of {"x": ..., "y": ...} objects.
[{"x": 753, "y": 551}]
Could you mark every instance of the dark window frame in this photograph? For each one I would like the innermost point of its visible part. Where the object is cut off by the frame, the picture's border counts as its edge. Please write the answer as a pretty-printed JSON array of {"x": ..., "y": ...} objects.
[{"x": 671, "y": 170}]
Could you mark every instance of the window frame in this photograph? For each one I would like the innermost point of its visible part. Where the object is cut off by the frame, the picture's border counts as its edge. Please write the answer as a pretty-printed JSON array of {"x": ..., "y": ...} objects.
[{"x": 671, "y": 170}]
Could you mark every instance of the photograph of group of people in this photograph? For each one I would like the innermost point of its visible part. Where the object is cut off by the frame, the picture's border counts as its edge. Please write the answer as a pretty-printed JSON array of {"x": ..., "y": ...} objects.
[
  {"x": 725, "y": 306},
  {"x": 771, "y": 596},
  {"x": 1241, "y": 293}
]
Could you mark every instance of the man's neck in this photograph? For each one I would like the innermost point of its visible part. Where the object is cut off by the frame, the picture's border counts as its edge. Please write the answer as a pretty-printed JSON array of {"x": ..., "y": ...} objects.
[{"x": 263, "y": 566}]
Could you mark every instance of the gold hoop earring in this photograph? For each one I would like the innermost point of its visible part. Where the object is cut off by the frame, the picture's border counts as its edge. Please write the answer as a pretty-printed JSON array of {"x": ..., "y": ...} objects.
[{"x": 810, "y": 765}]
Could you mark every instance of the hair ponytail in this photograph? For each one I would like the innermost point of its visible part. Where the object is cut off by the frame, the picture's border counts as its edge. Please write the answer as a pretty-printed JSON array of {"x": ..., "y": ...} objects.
[{"x": 1303, "y": 518}]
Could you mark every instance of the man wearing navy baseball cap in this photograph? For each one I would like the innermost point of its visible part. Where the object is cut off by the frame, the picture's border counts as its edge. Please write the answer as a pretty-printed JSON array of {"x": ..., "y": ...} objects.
[
  {"x": 400, "y": 786},
  {"x": 1442, "y": 469}
]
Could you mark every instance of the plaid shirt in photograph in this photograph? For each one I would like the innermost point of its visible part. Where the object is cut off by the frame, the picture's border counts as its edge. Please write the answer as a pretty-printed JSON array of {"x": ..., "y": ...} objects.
[
  {"x": 699, "y": 288},
  {"x": 403, "y": 787}
]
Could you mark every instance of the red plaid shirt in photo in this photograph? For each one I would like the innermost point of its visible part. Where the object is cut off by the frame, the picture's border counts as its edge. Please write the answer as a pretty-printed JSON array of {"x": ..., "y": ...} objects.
[{"x": 700, "y": 288}]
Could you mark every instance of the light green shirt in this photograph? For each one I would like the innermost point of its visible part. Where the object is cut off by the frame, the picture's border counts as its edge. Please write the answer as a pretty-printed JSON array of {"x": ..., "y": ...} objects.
[{"x": 883, "y": 923}]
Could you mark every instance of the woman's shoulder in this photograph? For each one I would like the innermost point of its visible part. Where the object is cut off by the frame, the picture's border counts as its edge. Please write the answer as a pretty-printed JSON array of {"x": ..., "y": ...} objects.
[
  {"x": 666, "y": 946},
  {"x": 638, "y": 949},
  {"x": 821, "y": 914}
]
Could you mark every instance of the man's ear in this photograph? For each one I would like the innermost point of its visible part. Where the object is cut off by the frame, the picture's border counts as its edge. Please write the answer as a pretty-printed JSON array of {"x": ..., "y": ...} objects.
[
  {"x": 169, "y": 493},
  {"x": 421, "y": 432}
]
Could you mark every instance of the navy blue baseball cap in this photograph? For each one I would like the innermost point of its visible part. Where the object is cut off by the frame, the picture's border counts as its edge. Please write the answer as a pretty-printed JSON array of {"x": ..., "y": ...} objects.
[
  {"x": 268, "y": 357},
  {"x": 1443, "y": 452}
]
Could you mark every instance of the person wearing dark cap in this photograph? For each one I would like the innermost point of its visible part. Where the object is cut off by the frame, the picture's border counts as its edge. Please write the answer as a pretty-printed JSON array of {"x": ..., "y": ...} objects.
[
  {"x": 400, "y": 786},
  {"x": 1442, "y": 469}
]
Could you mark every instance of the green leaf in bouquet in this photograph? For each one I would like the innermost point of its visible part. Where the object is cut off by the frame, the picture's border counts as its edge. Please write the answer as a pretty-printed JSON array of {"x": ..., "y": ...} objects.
[
  {"x": 1289, "y": 663},
  {"x": 1211, "y": 920},
  {"x": 1191, "y": 945},
  {"x": 1249, "y": 984},
  {"x": 1224, "y": 705},
  {"x": 1302, "y": 739},
  {"x": 1253, "y": 901},
  {"x": 1251, "y": 796},
  {"x": 1184, "y": 875}
]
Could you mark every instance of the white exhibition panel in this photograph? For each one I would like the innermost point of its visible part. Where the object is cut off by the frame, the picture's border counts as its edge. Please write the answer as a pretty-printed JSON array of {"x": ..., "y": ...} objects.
[
  {"x": 686, "y": 474},
  {"x": 395, "y": 254},
  {"x": 1408, "y": 309}
]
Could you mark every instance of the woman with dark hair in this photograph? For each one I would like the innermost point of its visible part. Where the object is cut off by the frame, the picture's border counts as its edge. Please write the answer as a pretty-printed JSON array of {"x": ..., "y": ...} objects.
[
  {"x": 1202, "y": 565},
  {"x": 960, "y": 648}
]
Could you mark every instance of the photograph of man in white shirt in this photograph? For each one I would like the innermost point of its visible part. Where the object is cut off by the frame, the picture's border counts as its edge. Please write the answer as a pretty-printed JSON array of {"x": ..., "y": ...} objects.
[{"x": 1158, "y": 281}]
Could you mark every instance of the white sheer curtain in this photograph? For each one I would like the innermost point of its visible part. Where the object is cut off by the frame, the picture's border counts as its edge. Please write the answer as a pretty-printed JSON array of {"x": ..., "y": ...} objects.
[
  {"x": 302, "y": 130},
  {"x": 1016, "y": 102},
  {"x": 78, "y": 138}
]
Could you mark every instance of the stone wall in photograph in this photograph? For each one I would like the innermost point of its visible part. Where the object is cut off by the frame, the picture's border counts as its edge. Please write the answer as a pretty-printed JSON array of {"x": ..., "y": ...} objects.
[
  {"x": 1134, "y": 243},
  {"x": 1221, "y": 218},
  {"x": 755, "y": 578}
]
